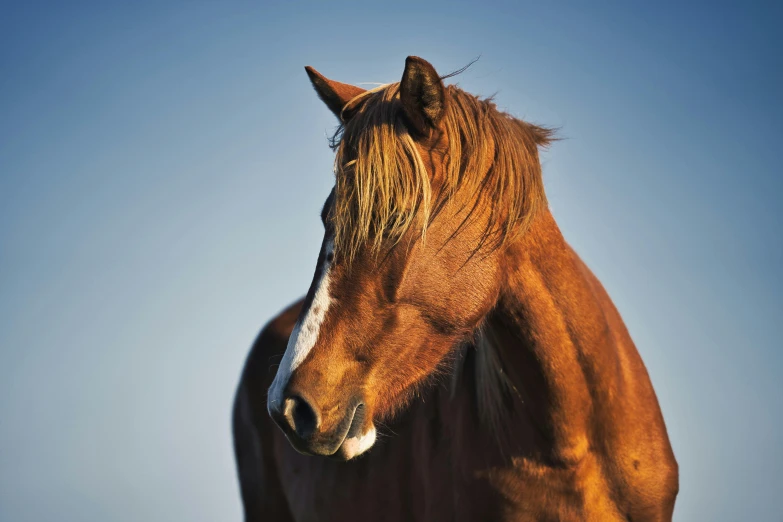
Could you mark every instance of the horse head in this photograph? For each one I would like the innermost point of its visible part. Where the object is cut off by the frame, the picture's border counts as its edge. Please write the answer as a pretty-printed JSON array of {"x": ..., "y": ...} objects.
[{"x": 427, "y": 191}]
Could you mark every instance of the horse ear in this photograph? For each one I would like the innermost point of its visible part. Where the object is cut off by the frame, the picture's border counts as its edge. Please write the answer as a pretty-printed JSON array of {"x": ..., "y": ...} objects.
[
  {"x": 334, "y": 94},
  {"x": 422, "y": 94}
]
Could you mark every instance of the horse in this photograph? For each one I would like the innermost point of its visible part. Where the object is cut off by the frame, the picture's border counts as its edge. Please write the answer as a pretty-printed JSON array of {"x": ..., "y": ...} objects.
[{"x": 454, "y": 359}]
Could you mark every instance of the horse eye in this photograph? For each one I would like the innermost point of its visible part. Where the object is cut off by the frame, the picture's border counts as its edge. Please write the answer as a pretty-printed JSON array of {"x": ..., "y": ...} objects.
[{"x": 329, "y": 257}]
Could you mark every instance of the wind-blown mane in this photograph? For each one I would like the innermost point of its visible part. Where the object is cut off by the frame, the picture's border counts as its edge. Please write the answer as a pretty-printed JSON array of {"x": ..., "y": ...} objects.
[
  {"x": 382, "y": 180},
  {"x": 492, "y": 159}
]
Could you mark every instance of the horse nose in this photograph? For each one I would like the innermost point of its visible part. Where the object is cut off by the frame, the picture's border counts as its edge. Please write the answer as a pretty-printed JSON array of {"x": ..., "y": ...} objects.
[{"x": 301, "y": 416}]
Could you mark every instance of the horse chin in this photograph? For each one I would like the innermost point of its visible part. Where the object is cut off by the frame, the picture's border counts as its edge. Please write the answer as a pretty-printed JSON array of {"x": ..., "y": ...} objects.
[{"x": 355, "y": 446}]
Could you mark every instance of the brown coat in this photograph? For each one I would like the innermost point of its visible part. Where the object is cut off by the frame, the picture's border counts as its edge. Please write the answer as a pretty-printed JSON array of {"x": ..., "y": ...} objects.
[{"x": 450, "y": 316}]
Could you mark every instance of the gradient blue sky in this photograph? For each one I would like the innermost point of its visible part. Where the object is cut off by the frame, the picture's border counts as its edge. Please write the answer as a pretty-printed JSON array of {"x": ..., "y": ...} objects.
[{"x": 162, "y": 168}]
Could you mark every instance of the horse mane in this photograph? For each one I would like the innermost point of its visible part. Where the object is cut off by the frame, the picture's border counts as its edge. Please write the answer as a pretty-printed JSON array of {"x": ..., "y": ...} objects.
[{"x": 382, "y": 181}]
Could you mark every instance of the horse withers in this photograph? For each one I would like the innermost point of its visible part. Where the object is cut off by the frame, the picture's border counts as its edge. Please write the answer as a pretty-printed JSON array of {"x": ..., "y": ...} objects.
[{"x": 453, "y": 359}]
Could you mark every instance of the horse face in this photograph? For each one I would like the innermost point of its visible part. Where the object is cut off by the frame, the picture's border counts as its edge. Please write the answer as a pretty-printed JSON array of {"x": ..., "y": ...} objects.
[
  {"x": 369, "y": 332},
  {"x": 377, "y": 323}
]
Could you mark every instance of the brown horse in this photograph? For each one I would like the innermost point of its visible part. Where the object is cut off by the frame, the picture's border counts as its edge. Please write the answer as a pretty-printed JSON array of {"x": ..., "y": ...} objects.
[{"x": 450, "y": 337}]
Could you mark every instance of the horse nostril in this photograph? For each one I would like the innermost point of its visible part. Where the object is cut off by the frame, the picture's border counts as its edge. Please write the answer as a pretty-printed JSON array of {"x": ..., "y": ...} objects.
[{"x": 301, "y": 417}]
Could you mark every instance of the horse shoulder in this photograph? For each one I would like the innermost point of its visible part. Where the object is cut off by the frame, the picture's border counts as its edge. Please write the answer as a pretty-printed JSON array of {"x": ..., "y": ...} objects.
[
  {"x": 261, "y": 491},
  {"x": 642, "y": 451}
]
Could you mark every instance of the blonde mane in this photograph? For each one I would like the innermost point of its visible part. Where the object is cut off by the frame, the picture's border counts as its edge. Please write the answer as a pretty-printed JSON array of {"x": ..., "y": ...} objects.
[{"x": 383, "y": 188}]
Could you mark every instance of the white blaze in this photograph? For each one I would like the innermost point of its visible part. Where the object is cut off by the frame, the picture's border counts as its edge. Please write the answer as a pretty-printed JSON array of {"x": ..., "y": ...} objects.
[
  {"x": 303, "y": 338},
  {"x": 305, "y": 333}
]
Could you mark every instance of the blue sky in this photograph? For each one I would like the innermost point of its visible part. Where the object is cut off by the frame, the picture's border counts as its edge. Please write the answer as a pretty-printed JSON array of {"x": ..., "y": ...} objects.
[{"x": 162, "y": 169}]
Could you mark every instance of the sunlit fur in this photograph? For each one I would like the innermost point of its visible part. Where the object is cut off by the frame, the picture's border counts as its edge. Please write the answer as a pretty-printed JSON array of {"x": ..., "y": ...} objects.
[
  {"x": 383, "y": 187},
  {"x": 447, "y": 259}
]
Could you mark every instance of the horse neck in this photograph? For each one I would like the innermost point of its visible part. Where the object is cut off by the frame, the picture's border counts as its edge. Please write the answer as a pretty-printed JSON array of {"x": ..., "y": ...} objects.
[{"x": 553, "y": 338}]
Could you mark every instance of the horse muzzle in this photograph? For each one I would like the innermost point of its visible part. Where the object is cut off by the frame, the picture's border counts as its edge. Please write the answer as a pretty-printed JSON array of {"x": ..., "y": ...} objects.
[{"x": 310, "y": 431}]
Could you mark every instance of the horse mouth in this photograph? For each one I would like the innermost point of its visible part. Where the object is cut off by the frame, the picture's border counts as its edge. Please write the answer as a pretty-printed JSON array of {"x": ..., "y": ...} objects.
[
  {"x": 355, "y": 442},
  {"x": 356, "y": 421}
]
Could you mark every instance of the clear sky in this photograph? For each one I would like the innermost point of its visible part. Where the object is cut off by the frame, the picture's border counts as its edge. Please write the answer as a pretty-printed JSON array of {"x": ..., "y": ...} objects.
[{"x": 162, "y": 169}]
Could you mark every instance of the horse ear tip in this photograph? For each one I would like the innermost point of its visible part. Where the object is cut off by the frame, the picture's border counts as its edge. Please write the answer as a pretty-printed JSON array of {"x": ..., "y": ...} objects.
[
  {"x": 312, "y": 73},
  {"x": 418, "y": 65}
]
